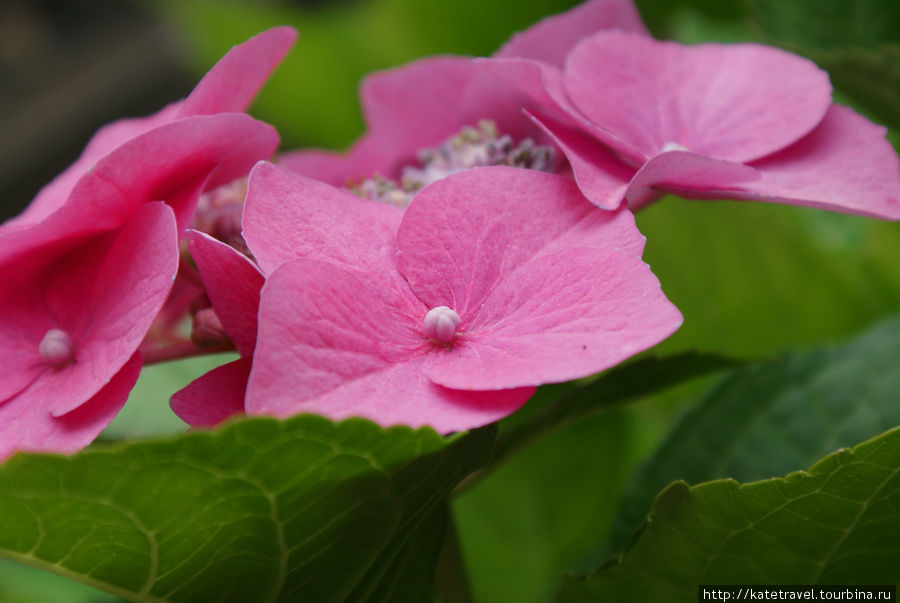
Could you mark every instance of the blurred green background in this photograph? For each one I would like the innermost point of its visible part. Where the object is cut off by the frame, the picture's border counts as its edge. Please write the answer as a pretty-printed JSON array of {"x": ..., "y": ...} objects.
[{"x": 750, "y": 279}]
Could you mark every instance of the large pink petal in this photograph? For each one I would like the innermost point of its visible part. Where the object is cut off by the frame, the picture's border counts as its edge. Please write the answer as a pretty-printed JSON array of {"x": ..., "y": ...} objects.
[
  {"x": 415, "y": 106},
  {"x": 550, "y": 39},
  {"x": 330, "y": 344},
  {"x": 27, "y": 424},
  {"x": 287, "y": 216},
  {"x": 560, "y": 316},
  {"x": 464, "y": 234},
  {"x": 233, "y": 82},
  {"x": 105, "y": 296},
  {"x": 845, "y": 165},
  {"x": 214, "y": 397},
  {"x": 682, "y": 171},
  {"x": 738, "y": 102},
  {"x": 601, "y": 177},
  {"x": 232, "y": 284}
]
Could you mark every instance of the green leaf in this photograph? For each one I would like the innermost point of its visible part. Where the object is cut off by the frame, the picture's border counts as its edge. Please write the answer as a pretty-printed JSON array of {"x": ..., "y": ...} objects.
[
  {"x": 259, "y": 510},
  {"x": 776, "y": 417},
  {"x": 839, "y": 523},
  {"x": 624, "y": 383},
  {"x": 546, "y": 508}
]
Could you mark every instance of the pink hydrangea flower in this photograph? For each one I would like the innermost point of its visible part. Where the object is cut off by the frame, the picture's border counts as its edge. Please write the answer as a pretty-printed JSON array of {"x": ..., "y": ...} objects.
[
  {"x": 89, "y": 264},
  {"x": 638, "y": 117},
  {"x": 492, "y": 281},
  {"x": 421, "y": 105}
]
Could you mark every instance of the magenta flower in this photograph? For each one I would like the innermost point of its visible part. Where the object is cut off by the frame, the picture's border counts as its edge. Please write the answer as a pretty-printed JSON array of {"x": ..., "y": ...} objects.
[
  {"x": 88, "y": 266},
  {"x": 637, "y": 117},
  {"x": 412, "y": 109},
  {"x": 493, "y": 281},
  {"x": 233, "y": 284}
]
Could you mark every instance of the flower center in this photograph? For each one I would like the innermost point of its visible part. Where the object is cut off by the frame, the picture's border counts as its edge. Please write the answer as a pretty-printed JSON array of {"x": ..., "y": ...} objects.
[
  {"x": 471, "y": 147},
  {"x": 56, "y": 347},
  {"x": 440, "y": 324},
  {"x": 219, "y": 211}
]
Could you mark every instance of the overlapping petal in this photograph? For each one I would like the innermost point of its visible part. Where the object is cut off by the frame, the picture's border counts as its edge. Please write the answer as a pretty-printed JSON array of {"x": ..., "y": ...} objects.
[
  {"x": 103, "y": 293},
  {"x": 232, "y": 283},
  {"x": 30, "y": 427},
  {"x": 465, "y": 234},
  {"x": 287, "y": 216},
  {"x": 738, "y": 102}
]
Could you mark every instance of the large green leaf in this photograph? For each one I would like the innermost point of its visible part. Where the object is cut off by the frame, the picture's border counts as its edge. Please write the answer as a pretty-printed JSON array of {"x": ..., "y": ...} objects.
[
  {"x": 535, "y": 513},
  {"x": 839, "y": 523},
  {"x": 558, "y": 405},
  {"x": 776, "y": 417},
  {"x": 260, "y": 510}
]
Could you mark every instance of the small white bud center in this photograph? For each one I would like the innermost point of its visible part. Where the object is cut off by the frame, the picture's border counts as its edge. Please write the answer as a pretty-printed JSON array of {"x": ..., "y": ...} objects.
[
  {"x": 56, "y": 347},
  {"x": 440, "y": 323}
]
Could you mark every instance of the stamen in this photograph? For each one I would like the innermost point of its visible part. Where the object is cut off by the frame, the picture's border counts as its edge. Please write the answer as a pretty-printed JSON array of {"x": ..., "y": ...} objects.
[
  {"x": 471, "y": 147},
  {"x": 440, "y": 324},
  {"x": 56, "y": 347}
]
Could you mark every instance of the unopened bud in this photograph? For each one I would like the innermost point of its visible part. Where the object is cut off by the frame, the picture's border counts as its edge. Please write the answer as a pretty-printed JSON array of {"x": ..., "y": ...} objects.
[
  {"x": 56, "y": 347},
  {"x": 207, "y": 330},
  {"x": 440, "y": 323}
]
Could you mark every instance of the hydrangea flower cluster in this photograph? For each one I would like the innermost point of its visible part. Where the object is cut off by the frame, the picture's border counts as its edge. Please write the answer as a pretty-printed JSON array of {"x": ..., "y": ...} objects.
[{"x": 476, "y": 242}]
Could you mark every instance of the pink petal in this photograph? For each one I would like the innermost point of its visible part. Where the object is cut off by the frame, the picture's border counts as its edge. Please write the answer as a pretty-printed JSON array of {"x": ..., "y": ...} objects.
[
  {"x": 738, "y": 102},
  {"x": 601, "y": 177},
  {"x": 844, "y": 165},
  {"x": 287, "y": 216},
  {"x": 158, "y": 164},
  {"x": 560, "y": 316},
  {"x": 686, "y": 173},
  {"x": 214, "y": 397},
  {"x": 232, "y": 283},
  {"x": 105, "y": 296},
  {"x": 53, "y": 195},
  {"x": 415, "y": 106},
  {"x": 331, "y": 343},
  {"x": 27, "y": 424},
  {"x": 540, "y": 83},
  {"x": 362, "y": 161},
  {"x": 550, "y": 39},
  {"x": 464, "y": 234},
  {"x": 233, "y": 82}
]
